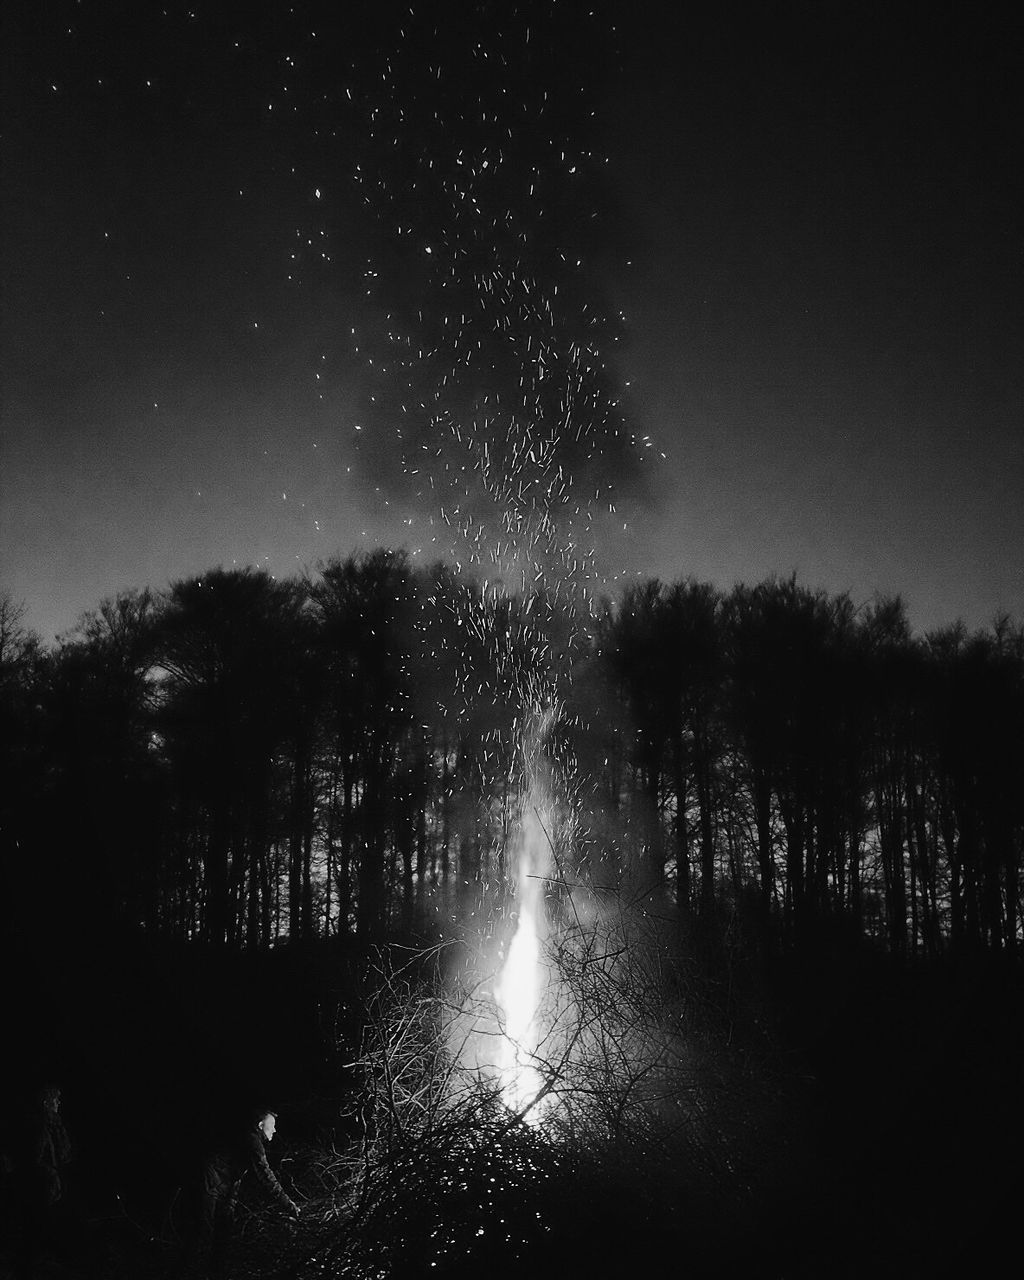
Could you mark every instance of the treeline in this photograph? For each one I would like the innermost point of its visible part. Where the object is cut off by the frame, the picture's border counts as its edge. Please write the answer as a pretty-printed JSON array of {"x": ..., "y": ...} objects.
[
  {"x": 240, "y": 760},
  {"x": 825, "y": 766}
]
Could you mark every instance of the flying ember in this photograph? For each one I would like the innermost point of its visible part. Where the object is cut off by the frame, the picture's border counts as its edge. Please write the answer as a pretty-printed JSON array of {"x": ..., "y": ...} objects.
[{"x": 492, "y": 417}]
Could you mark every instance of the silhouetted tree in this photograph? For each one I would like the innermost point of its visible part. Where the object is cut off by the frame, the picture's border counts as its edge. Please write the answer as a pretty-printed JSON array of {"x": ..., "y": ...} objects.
[
  {"x": 242, "y": 759},
  {"x": 224, "y": 643},
  {"x": 364, "y": 607},
  {"x": 101, "y": 786},
  {"x": 22, "y": 762},
  {"x": 976, "y": 719}
]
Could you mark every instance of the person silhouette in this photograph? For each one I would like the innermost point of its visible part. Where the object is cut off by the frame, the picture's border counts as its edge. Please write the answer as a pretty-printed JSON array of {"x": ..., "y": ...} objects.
[
  {"x": 223, "y": 1173},
  {"x": 39, "y": 1154}
]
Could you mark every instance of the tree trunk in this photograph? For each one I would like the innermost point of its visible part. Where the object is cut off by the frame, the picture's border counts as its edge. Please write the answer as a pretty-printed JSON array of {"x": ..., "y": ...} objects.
[
  {"x": 216, "y": 868},
  {"x": 765, "y": 847},
  {"x": 682, "y": 833}
]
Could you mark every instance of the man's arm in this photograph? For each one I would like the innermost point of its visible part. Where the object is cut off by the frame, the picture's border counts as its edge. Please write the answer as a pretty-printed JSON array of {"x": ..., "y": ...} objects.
[
  {"x": 61, "y": 1142},
  {"x": 266, "y": 1176}
]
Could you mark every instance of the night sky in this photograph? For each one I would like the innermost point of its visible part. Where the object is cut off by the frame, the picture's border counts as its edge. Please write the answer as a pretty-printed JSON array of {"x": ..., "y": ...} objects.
[{"x": 215, "y": 216}]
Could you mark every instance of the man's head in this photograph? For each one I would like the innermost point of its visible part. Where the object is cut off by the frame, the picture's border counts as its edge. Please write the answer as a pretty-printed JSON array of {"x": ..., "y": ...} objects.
[
  {"x": 266, "y": 1123},
  {"x": 49, "y": 1097}
]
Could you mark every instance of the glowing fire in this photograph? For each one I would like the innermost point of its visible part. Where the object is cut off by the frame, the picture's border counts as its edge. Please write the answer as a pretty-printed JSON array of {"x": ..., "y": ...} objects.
[{"x": 520, "y": 988}]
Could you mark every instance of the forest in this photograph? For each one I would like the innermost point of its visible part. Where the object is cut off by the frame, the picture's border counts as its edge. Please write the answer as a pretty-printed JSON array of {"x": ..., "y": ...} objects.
[
  {"x": 251, "y": 826},
  {"x": 245, "y": 761}
]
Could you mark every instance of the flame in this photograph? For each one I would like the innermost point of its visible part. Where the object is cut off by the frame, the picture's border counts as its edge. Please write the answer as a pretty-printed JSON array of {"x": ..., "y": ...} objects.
[
  {"x": 520, "y": 988},
  {"x": 519, "y": 993}
]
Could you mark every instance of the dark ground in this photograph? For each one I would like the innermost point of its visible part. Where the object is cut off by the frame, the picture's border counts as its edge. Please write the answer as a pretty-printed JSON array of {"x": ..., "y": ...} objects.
[{"x": 904, "y": 1129}]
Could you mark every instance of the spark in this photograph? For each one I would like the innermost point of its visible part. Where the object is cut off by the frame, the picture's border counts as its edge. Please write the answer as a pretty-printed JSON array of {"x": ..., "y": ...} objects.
[{"x": 472, "y": 154}]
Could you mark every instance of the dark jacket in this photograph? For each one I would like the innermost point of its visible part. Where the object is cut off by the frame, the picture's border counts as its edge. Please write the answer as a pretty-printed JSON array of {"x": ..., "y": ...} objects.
[
  {"x": 226, "y": 1168},
  {"x": 38, "y": 1153}
]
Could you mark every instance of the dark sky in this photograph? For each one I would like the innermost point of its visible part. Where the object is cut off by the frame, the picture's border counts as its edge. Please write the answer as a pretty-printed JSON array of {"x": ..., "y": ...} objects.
[{"x": 816, "y": 245}]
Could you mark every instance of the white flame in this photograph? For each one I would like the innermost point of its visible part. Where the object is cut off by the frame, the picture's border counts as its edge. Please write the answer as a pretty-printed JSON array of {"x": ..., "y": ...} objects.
[
  {"x": 520, "y": 988},
  {"x": 519, "y": 993}
]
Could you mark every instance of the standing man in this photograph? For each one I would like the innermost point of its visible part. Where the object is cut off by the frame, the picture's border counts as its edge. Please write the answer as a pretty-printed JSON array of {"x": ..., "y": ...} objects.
[
  {"x": 41, "y": 1150},
  {"x": 222, "y": 1177},
  {"x": 49, "y": 1146}
]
